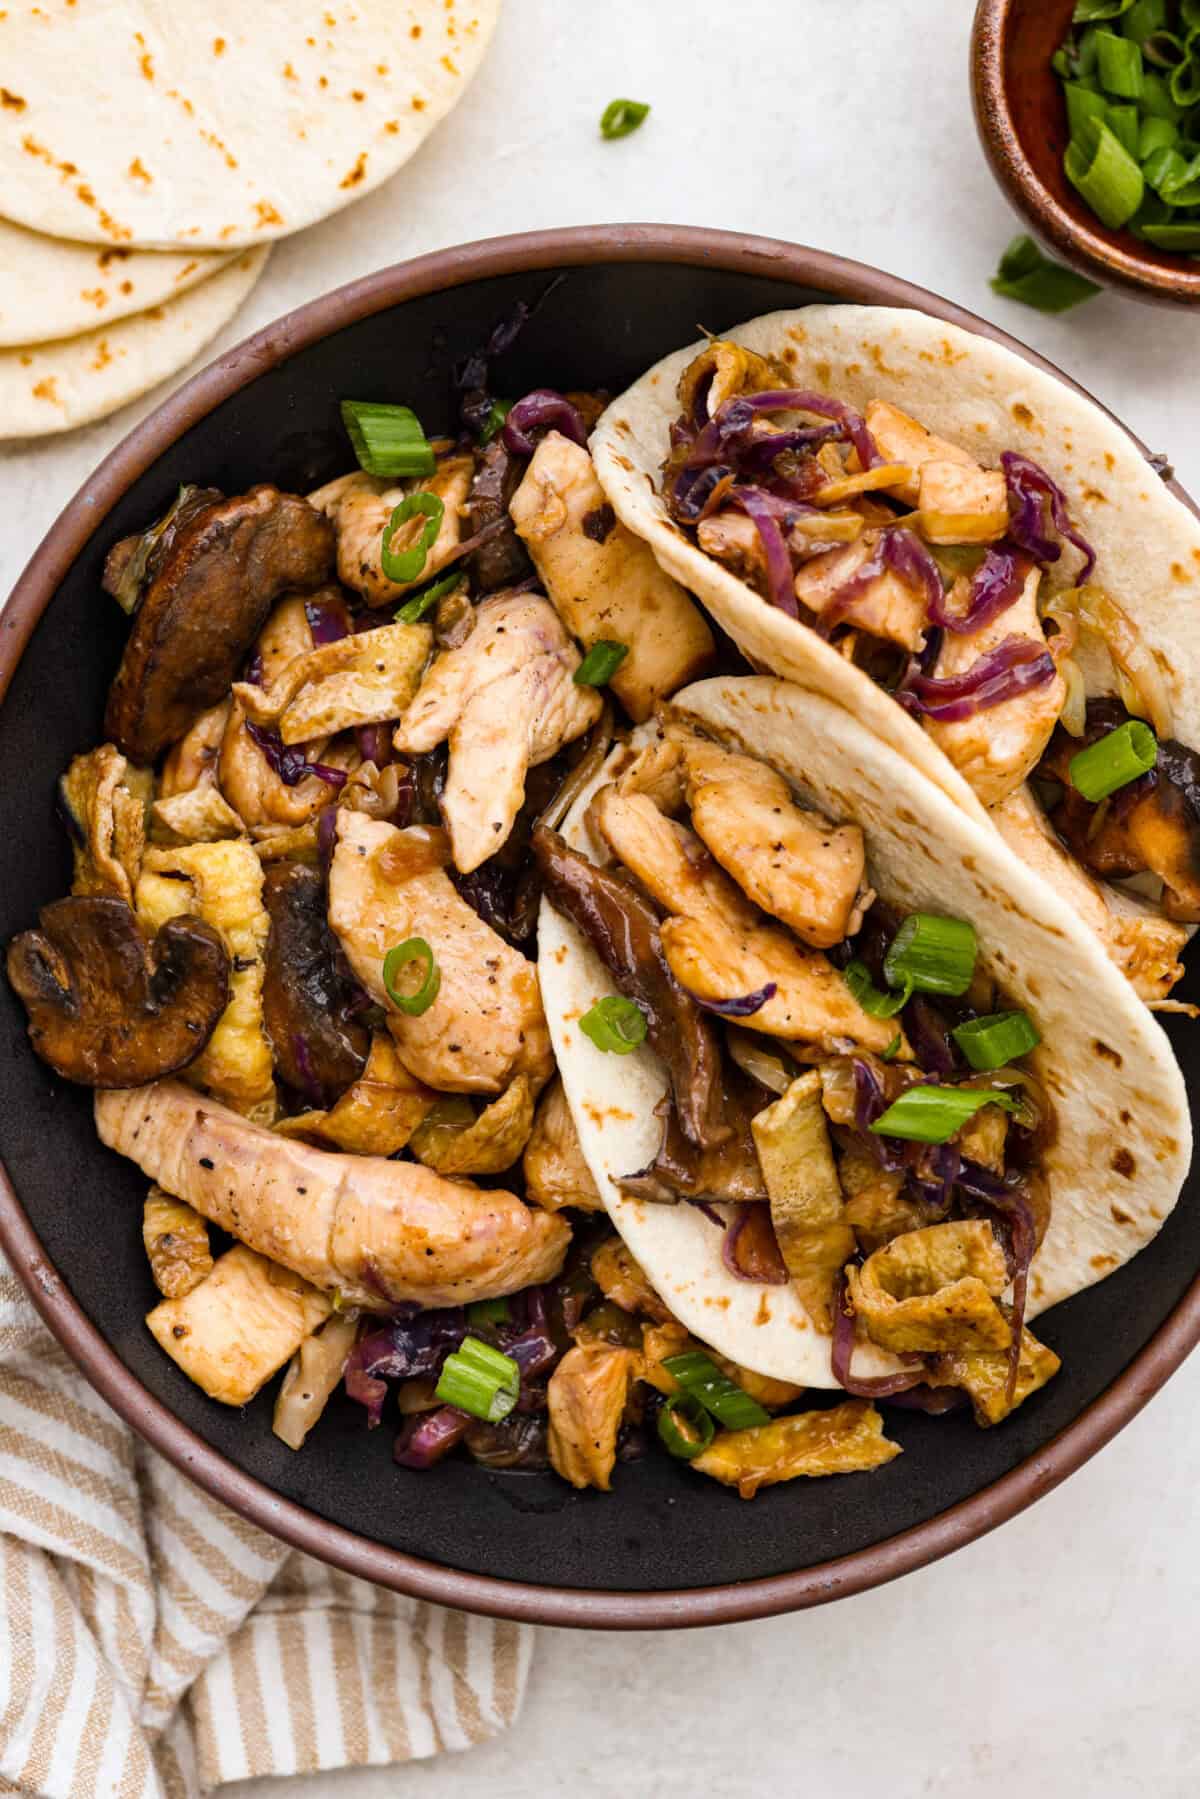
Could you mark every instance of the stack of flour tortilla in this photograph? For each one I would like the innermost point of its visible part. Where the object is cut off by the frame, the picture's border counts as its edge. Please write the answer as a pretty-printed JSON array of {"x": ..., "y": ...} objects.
[{"x": 150, "y": 154}]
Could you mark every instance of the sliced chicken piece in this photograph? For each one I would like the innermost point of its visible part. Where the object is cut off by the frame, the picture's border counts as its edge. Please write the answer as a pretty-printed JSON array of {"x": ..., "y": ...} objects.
[
  {"x": 997, "y": 748},
  {"x": 962, "y": 503},
  {"x": 604, "y": 581},
  {"x": 795, "y": 864},
  {"x": 377, "y": 1231},
  {"x": 556, "y": 1174},
  {"x": 507, "y": 701},
  {"x": 190, "y": 805},
  {"x": 900, "y": 438},
  {"x": 882, "y": 605},
  {"x": 732, "y": 538},
  {"x": 486, "y": 1025},
  {"x": 260, "y": 797},
  {"x": 360, "y": 507},
  {"x": 587, "y": 1394},
  {"x": 719, "y": 946}
]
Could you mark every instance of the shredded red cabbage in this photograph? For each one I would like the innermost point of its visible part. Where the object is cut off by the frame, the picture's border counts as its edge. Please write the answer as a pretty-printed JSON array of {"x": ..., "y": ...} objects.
[
  {"x": 1016, "y": 665},
  {"x": 929, "y": 1034},
  {"x": 996, "y": 585},
  {"x": 933, "y": 1400},
  {"x": 697, "y": 489},
  {"x": 328, "y": 619},
  {"x": 750, "y": 1251},
  {"x": 288, "y": 761},
  {"x": 313, "y": 1091},
  {"x": 780, "y": 580},
  {"x": 742, "y": 1007},
  {"x": 902, "y": 552},
  {"x": 870, "y": 1103},
  {"x": 428, "y": 1436},
  {"x": 934, "y": 1173},
  {"x": 842, "y": 1354},
  {"x": 1031, "y": 493},
  {"x": 375, "y": 744},
  {"x": 364, "y": 1387},
  {"x": 797, "y": 399},
  {"x": 542, "y": 410}
]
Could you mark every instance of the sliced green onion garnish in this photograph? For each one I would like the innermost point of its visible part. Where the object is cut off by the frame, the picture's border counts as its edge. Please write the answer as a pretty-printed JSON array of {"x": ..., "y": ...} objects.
[
  {"x": 415, "y": 609},
  {"x": 1123, "y": 123},
  {"x": 1184, "y": 81},
  {"x": 1144, "y": 18},
  {"x": 1114, "y": 760},
  {"x": 1155, "y": 134},
  {"x": 601, "y": 663},
  {"x": 893, "y": 1048},
  {"x": 1105, "y": 174},
  {"x": 857, "y": 977},
  {"x": 1164, "y": 50},
  {"x": 479, "y": 1380},
  {"x": 1180, "y": 235},
  {"x": 1163, "y": 166},
  {"x": 1088, "y": 11},
  {"x": 414, "y": 949},
  {"x": 935, "y": 1114},
  {"x": 701, "y": 1379},
  {"x": 388, "y": 440},
  {"x": 1156, "y": 98},
  {"x": 684, "y": 1427},
  {"x": 932, "y": 954},
  {"x": 402, "y": 566},
  {"x": 489, "y": 1311},
  {"x": 1119, "y": 65},
  {"x": 615, "y": 1025},
  {"x": 1181, "y": 186},
  {"x": 620, "y": 117},
  {"x": 495, "y": 420},
  {"x": 997, "y": 1040},
  {"x": 1082, "y": 103},
  {"x": 1026, "y": 275}
]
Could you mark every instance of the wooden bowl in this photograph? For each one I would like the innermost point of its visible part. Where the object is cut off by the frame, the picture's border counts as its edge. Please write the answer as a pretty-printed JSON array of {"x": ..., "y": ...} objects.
[
  {"x": 665, "y": 1548},
  {"x": 1022, "y": 120}
]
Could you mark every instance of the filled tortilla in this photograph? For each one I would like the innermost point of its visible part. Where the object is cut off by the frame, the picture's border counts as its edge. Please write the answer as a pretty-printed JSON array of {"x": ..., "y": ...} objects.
[
  {"x": 730, "y": 867},
  {"x": 967, "y": 554}
]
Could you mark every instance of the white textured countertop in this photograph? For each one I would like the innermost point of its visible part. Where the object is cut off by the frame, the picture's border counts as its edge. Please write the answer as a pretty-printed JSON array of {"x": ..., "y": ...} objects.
[{"x": 1057, "y": 1656}]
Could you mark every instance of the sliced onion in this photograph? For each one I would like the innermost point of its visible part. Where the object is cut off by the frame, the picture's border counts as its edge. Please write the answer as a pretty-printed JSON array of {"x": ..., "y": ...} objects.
[
  {"x": 542, "y": 410},
  {"x": 583, "y": 773},
  {"x": 428, "y": 1436},
  {"x": 1141, "y": 681},
  {"x": 780, "y": 579},
  {"x": 1030, "y": 492},
  {"x": 750, "y": 1251},
  {"x": 1015, "y": 666},
  {"x": 996, "y": 585},
  {"x": 328, "y": 620},
  {"x": 842, "y": 1353},
  {"x": 744, "y": 1006},
  {"x": 769, "y": 1067}
]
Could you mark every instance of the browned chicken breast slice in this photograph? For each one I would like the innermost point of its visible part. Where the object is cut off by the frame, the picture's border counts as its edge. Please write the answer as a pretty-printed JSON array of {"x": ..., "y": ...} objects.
[
  {"x": 794, "y": 863},
  {"x": 507, "y": 700},
  {"x": 719, "y": 946},
  {"x": 360, "y": 507},
  {"x": 732, "y": 538},
  {"x": 586, "y": 1395},
  {"x": 884, "y": 606},
  {"x": 900, "y": 438},
  {"x": 486, "y": 1025},
  {"x": 995, "y": 749},
  {"x": 556, "y": 1174},
  {"x": 604, "y": 581},
  {"x": 962, "y": 503},
  {"x": 378, "y": 1232}
]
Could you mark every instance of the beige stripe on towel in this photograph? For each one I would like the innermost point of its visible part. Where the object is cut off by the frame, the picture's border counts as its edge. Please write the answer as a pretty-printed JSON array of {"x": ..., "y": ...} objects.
[{"x": 155, "y": 1645}]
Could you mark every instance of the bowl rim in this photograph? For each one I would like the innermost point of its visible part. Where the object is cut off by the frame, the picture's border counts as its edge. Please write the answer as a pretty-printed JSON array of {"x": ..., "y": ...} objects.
[
  {"x": 442, "y": 271},
  {"x": 1093, "y": 251}
]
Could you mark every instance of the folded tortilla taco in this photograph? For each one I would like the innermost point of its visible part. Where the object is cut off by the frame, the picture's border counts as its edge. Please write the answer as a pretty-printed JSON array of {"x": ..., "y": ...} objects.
[
  {"x": 970, "y": 556},
  {"x": 861, "y": 1094}
]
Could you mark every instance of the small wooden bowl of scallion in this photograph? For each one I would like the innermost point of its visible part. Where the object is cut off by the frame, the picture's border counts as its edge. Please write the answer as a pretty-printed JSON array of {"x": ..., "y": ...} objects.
[{"x": 1089, "y": 111}]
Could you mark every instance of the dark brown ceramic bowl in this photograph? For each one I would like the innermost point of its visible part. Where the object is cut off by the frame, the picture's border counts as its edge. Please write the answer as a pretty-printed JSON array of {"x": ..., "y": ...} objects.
[
  {"x": 1022, "y": 119},
  {"x": 665, "y": 1548}
]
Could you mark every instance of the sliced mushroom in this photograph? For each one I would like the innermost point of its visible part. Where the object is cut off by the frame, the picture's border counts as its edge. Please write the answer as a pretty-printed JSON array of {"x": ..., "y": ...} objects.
[
  {"x": 106, "y": 1008},
  {"x": 319, "y": 1048},
  {"x": 216, "y": 577}
]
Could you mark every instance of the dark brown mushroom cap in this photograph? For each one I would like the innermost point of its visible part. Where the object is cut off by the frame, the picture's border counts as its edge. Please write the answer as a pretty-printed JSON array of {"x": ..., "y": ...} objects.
[
  {"x": 219, "y": 575},
  {"x": 108, "y": 1009},
  {"x": 502, "y": 561},
  {"x": 319, "y": 1047}
]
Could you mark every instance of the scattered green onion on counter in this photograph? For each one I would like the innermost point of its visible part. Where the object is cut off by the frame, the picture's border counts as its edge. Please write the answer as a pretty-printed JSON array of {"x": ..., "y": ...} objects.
[
  {"x": 1114, "y": 760},
  {"x": 1026, "y": 275},
  {"x": 620, "y": 117},
  {"x": 387, "y": 440},
  {"x": 413, "y": 949}
]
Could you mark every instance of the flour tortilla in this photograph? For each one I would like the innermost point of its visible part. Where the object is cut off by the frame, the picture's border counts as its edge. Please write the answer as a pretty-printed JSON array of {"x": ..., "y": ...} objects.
[
  {"x": 54, "y": 387},
  {"x": 981, "y": 397},
  {"x": 1124, "y": 1131},
  {"x": 161, "y": 125},
  {"x": 50, "y": 288}
]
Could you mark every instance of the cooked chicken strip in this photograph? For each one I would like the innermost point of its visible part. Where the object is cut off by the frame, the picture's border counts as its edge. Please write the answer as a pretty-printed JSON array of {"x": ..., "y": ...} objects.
[
  {"x": 486, "y": 1025},
  {"x": 261, "y": 798},
  {"x": 586, "y": 1396},
  {"x": 604, "y": 581},
  {"x": 795, "y": 864},
  {"x": 995, "y": 749},
  {"x": 719, "y": 946},
  {"x": 556, "y": 1174},
  {"x": 732, "y": 538},
  {"x": 376, "y": 1231},
  {"x": 360, "y": 506},
  {"x": 899, "y": 438},
  {"x": 884, "y": 606},
  {"x": 507, "y": 701}
]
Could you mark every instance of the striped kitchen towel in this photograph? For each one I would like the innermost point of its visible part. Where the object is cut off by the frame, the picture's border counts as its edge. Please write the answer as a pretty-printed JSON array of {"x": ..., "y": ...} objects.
[{"x": 153, "y": 1646}]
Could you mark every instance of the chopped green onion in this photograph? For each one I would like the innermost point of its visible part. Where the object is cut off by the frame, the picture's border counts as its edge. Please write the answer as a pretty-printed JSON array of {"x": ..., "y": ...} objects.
[
  {"x": 1088, "y": 11},
  {"x": 875, "y": 1004},
  {"x": 479, "y": 1380},
  {"x": 995, "y": 1041},
  {"x": 1119, "y": 64},
  {"x": 935, "y": 1114},
  {"x": 684, "y": 1427},
  {"x": 489, "y": 1311},
  {"x": 403, "y": 566},
  {"x": 1106, "y": 174},
  {"x": 701, "y": 1379},
  {"x": 1156, "y": 98},
  {"x": 1026, "y": 275},
  {"x": 893, "y": 1048},
  {"x": 620, "y": 117},
  {"x": 415, "y": 609},
  {"x": 1163, "y": 165},
  {"x": 1143, "y": 19},
  {"x": 388, "y": 440},
  {"x": 615, "y": 1025},
  {"x": 1155, "y": 134},
  {"x": 413, "y": 949},
  {"x": 1082, "y": 103},
  {"x": 1114, "y": 760},
  {"x": 1185, "y": 80},
  {"x": 1164, "y": 50},
  {"x": 1181, "y": 235},
  {"x": 1123, "y": 122},
  {"x": 495, "y": 420},
  {"x": 1085, "y": 52},
  {"x": 1181, "y": 186},
  {"x": 601, "y": 663},
  {"x": 934, "y": 955}
]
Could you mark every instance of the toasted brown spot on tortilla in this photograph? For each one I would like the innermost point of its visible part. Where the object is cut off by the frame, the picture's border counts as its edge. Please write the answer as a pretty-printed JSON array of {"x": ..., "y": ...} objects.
[
  {"x": 448, "y": 65},
  {"x": 357, "y": 173},
  {"x": 1123, "y": 1164},
  {"x": 1126, "y": 1117},
  {"x": 96, "y": 296},
  {"x": 127, "y": 287},
  {"x": 763, "y": 1314},
  {"x": 154, "y": 312},
  {"x": 1100, "y": 1263},
  {"x": 381, "y": 68},
  {"x": 393, "y": 125},
  {"x": 12, "y": 101},
  {"x": 1109, "y": 461},
  {"x": 26, "y": 359},
  {"x": 1108, "y": 1052},
  {"x": 146, "y": 65},
  {"x": 186, "y": 270},
  {"x": 267, "y": 214},
  {"x": 415, "y": 32},
  {"x": 103, "y": 355},
  {"x": 1120, "y": 1217},
  {"x": 139, "y": 171},
  {"x": 323, "y": 81},
  {"x": 1179, "y": 573},
  {"x": 289, "y": 72},
  {"x": 1022, "y": 414},
  {"x": 47, "y": 389},
  {"x": 1094, "y": 495},
  {"x": 357, "y": 94}
]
